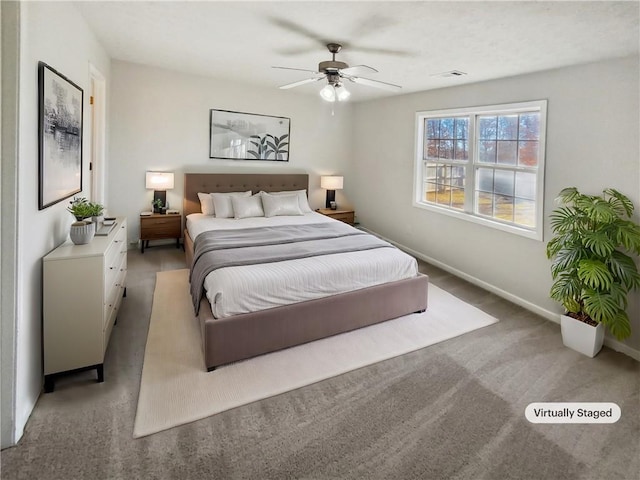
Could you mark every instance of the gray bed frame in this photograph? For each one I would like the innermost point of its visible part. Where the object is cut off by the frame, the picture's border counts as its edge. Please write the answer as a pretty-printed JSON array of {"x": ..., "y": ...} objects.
[{"x": 226, "y": 340}]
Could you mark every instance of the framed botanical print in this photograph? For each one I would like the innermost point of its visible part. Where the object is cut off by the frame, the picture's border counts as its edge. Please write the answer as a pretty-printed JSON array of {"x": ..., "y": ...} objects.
[{"x": 248, "y": 136}]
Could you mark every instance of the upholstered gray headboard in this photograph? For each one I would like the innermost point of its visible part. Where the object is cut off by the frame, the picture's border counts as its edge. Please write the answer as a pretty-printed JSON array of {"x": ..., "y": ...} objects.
[{"x": 237, "y": 182}]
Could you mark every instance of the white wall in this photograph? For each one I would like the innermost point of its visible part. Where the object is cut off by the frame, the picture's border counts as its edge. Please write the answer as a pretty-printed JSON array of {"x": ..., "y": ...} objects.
[
  {"x": 592, "y": 143},
  {"x": 160, "y": 121},
  {"x": 10, "y": 64},
  {"x": 56, "y": 34}
]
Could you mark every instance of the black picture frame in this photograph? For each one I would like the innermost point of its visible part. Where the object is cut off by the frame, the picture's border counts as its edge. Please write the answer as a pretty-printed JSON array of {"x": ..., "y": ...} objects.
[
  {"x": 60, "y": 107},
  {"x": 248, "y": 136}
]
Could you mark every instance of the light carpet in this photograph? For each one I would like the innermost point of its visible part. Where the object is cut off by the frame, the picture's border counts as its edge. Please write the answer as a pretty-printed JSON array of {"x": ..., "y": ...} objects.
[{"x": 175, "y": 387}]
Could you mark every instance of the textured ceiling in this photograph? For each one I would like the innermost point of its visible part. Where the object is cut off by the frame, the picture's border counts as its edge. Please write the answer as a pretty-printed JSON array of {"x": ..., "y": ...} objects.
[{"x": 407, "y": 42}]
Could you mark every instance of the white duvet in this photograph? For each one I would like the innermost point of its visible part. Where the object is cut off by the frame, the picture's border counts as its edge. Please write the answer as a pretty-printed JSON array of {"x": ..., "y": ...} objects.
[{"x": 235, "y": 290}]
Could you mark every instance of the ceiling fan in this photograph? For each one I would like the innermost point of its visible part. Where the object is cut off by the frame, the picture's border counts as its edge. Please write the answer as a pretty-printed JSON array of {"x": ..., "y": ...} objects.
[{"x": 335, "y": 72}]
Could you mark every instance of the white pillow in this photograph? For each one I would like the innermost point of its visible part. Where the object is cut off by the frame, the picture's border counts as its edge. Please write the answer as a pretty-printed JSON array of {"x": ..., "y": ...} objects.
[
  {"x": 206, "y": 203},
  {"x": 277, "y": 205},
  {"x": 245, "y": 207},
  {"x": 222, "y": 203},
  {"x": 302, "y": 198}
]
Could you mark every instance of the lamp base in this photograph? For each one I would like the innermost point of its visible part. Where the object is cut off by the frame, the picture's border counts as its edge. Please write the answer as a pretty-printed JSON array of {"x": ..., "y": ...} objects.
[
  {"x": 162, "y": 196},
  {"x": 331, "y": 200}
]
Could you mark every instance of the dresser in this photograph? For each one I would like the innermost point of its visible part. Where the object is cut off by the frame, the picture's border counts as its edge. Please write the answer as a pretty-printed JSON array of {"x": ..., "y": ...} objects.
[{"x": 83, "y": 286}]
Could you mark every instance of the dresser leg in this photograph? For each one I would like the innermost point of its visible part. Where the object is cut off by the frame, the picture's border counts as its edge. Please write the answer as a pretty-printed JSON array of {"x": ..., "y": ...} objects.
[
  {"x": 125, "y": 292},
  {"x": 48, "y": 383},
  {"x": 100, "y": 371},
  {"x": 141, "y": 246}
]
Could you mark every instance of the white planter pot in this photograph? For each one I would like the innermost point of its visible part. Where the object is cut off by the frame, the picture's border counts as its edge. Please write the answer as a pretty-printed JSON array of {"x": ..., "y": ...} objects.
[
  {"x": 82, "y": 233},
  {"x": 581, "y": 337}
]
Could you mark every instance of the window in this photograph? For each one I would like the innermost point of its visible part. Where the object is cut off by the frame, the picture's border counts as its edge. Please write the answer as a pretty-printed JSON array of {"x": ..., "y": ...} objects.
[{"x": 484, "y": 164}]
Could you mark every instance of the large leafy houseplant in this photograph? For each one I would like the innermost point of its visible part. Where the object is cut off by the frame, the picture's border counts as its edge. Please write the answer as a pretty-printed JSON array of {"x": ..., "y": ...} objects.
[{"x": 592, "y": 251}]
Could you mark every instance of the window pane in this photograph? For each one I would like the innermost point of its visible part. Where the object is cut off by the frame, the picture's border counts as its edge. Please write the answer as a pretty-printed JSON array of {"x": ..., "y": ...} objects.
[
  {"x": 485, "y": 179},
  {"x": 529, "y": 126},
  {"x": 487, "y": 152},
  {"x": 446, "y": 149},
  {"x": 525, "y": 213},
  {"x": 432, "y": 149},
  {"x": 484, "y": 204},
  {"x": 443, "y": 175},
  {"x": 507, "y": 154},
  {"x": 446, "y": 128},
  {"x": 443, "y": 195},
  {"x": 462, "y": 150},
  {"x": 503, "y": 208},
  {"x": 462, "y": 128},
  {"x": 504, "y": 183},
  {"x": 508, "y": 127},
  {"x": 430, "y": 172},
  {"x": 487, "y": 127},
  {"x": 526, "y": 185},
  {"x": 457, "y": 176},
  {"x": 433, "y": 128},
  {"x": 457, "y": 198},
  {"x": 430, "y": 192},
  {"x": 528, "y": 153}
]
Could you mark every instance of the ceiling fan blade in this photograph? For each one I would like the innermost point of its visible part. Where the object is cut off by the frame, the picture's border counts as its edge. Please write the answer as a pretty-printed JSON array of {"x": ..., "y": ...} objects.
[
  {"x": 300, "y": 82},
  {"x": 296, "y": 50},
  {"x": 297, "y": 69},
  {"x": 358, "y": 69},
  {"x": 294, "y": 27},
  {"x": 384, "y": 51},
  {"x": 374, "y": 83}
]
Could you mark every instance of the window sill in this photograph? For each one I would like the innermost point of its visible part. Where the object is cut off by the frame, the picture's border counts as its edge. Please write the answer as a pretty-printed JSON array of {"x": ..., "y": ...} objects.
[{"x": 523, "y": 232}]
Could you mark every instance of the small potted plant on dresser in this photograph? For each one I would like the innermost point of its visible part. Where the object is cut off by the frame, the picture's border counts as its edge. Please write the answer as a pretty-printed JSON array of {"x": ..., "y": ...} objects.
[
  {"x": 593, "y": 268},
  {"x": 84, "y": 228}
]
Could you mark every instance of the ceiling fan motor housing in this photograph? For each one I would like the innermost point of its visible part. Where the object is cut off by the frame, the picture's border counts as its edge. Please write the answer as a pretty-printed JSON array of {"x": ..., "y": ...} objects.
[{"x": 331, "y": 66}]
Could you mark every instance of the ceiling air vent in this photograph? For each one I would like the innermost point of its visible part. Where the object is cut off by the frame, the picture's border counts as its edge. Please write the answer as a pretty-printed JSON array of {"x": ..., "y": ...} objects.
[{"x": 451, "y": 73}]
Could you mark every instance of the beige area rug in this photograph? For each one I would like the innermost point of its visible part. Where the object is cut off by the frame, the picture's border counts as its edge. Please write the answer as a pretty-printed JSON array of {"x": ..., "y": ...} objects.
[{"x": 176, "y": 389}]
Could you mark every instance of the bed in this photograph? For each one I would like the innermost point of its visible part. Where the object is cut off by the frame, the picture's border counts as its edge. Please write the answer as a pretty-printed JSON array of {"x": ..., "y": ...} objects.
[{"x": 244, "y": 330}]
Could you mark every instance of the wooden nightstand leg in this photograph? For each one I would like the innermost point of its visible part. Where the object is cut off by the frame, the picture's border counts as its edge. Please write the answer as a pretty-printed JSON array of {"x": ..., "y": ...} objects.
[
  {"x": 177, "y": 243},
  {"x": 141, "y": 246}
]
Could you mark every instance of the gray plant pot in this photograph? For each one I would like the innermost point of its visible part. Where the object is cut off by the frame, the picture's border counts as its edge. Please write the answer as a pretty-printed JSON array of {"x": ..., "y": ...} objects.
[{"x": 82, "y": 233}]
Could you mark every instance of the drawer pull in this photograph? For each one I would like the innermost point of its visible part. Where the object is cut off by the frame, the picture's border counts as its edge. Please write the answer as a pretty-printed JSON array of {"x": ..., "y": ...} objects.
[{"x": 111, "y": 268}]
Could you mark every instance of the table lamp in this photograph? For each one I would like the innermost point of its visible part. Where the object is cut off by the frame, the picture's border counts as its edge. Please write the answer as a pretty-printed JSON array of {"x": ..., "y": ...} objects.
[
  {"x": 331, "y": 183},
  {"x": 159, "y": 182}
]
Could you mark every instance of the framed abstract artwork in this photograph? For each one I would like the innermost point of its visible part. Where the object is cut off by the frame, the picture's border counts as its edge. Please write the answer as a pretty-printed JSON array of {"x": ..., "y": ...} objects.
[
  {"x": 60, "y": 136},
  {"x": 248, "y": 136}
]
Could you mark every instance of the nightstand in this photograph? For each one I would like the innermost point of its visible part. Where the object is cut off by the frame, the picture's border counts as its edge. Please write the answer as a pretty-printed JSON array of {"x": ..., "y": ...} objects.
[
  {"x": 159, "y": 226},
  {"x": 346, "y": 216}
]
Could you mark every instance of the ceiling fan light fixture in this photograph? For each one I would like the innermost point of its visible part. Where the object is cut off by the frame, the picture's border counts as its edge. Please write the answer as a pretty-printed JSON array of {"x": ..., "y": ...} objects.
[
  {"x": 328, "y": 93},
  {"x": 342, "y": 93}
]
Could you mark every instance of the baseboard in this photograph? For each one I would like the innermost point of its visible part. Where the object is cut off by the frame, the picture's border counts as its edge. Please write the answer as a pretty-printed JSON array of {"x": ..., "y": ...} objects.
[{"x": 532, "y": 307}]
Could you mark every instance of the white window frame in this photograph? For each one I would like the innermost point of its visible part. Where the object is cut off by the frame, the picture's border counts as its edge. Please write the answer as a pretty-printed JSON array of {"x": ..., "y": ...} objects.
[{"x": 472, "y": 164}]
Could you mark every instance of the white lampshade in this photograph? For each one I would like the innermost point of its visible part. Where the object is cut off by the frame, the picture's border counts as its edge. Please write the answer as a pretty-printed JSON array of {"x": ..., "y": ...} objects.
[
  {"x": 159, "y": 180},
  {"x": 343, "y": 93},
  {"x": 328, "y": 93},
  {"x": 331, "y": 182}
]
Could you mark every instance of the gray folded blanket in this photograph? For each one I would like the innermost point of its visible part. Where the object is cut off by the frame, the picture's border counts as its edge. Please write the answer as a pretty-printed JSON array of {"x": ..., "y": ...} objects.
[{"x": 228, "y": 248}]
